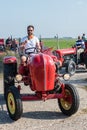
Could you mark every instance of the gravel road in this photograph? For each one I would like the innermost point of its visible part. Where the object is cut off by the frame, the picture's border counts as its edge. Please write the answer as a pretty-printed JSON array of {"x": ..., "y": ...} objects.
[{"x": 39, "y": 115}]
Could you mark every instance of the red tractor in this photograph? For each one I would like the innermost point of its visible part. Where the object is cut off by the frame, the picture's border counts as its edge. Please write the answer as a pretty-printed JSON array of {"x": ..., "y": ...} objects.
[
  {"x": 68, "y": 58},
  {"x": 40, "y": 75}
]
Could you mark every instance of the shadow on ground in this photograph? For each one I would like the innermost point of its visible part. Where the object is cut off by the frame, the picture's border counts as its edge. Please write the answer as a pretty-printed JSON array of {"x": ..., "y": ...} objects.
[{"x": 44, "y": 115}]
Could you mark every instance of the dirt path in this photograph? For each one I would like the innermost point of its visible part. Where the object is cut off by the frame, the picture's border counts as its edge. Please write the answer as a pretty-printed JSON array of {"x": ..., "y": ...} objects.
[{"x": 41, "y": 115}]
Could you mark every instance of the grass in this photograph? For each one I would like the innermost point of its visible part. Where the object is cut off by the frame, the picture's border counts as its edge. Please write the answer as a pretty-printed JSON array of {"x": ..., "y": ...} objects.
[{"x": 61, "y": 43}]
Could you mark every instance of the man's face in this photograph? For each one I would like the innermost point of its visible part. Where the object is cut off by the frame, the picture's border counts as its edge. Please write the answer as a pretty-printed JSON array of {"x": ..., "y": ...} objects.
[{"x": 30, "y": 30}]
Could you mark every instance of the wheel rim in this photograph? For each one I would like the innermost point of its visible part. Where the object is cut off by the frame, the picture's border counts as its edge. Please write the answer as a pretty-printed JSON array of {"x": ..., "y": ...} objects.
[
  {"x": 11, "y": 103},
  {"x": 66, "y": 102},
  {"x": 72, "y": 68}
]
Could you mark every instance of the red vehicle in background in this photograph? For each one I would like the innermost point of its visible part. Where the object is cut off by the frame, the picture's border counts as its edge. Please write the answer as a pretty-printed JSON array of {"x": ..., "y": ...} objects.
[
  {"x": 68, "y": 58},
  {"x": 2, "y": 45}
]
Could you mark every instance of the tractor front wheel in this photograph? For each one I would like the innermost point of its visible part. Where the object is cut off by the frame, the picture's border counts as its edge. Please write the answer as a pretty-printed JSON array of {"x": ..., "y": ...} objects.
[
  {"x": 70, "y": 103},
  {"x": 14, "y": 103},
  {"x": 71, "y": 67}
]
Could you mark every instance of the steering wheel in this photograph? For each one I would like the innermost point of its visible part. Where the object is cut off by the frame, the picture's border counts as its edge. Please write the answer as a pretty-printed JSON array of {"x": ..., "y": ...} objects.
[
  {"x": 35, "y": 50},
  {"x": 47, "y": 49}
]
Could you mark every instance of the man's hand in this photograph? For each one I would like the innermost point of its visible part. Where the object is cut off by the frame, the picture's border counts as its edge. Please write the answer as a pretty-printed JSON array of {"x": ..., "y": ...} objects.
[
  {"x": 38, "y": 48},
  {"x": 22, "y": 46},
  {"x": 78, "y": 47}
]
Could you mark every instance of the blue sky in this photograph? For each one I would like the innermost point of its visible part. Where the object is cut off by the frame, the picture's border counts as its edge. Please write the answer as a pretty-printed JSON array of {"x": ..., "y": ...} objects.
[{"x": 50, "y": 17}]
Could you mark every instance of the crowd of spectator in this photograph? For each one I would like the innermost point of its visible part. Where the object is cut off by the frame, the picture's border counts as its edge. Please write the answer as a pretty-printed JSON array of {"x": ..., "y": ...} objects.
[{"x": 11, "y": 44}]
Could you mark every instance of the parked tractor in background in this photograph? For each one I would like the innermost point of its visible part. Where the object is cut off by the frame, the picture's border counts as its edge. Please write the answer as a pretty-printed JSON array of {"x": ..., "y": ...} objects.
[{"x": 68, "y": 58}]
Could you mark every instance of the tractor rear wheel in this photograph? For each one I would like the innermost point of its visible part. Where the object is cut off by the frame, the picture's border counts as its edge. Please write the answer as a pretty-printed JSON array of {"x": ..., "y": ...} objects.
[{"x": 85, "y": 59}]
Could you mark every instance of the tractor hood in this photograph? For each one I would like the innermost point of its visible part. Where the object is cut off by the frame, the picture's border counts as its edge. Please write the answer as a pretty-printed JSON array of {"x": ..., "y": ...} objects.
[
  {"x": 66, "y": 51},
  {"x": 42, "y": 71},
  {"x": 9, "y": 59}
]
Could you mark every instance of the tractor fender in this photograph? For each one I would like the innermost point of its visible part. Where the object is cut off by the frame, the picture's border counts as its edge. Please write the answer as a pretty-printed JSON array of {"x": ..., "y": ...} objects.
[{"x": 9, "y": 59}]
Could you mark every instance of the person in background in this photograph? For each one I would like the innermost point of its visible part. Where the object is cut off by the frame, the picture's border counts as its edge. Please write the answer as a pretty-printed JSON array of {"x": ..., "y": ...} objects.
[
  {"x": 8, "y": 42},
  {"x": 29, "y": 44},
  {"x": 83, "y": 37},
  {"x": 14, "y": 45},
  {"x": 80, "y": 45}
]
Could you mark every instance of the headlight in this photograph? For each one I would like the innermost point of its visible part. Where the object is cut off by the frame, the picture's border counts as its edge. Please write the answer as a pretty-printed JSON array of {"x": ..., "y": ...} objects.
[
  {"x": 66, "y": 76},
  {"x": 18, "y": 77}
]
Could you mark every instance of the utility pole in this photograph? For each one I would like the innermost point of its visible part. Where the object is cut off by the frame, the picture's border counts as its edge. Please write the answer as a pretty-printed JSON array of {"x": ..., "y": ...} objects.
[
  {"x": 41, "y": 44},
  {"x": 57, "y": 41}
]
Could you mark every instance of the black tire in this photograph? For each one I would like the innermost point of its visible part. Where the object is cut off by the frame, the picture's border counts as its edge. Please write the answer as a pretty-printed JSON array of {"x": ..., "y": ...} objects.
[
  {"x": 14, "y": 103},
  {"x": 86, "y": 66},
  {"x": 85, "y": 59},
  {"x": 71, "y": 67},
  {"x": 10, "y": 70},
  {"x": 70, "y": 103}
]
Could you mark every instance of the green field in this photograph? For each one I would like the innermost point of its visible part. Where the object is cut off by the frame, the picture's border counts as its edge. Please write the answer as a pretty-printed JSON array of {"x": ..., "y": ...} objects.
[{"x": 59, "y": 43}]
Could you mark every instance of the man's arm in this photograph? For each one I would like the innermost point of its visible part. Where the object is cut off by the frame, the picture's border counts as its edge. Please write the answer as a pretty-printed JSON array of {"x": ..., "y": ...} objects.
[{"x": 38, "y": 47}]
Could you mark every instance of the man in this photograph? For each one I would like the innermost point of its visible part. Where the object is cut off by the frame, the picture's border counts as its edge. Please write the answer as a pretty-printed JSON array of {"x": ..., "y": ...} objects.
[
  {"x": 29, "y": 43},
  {"x": 8, "y": 42},
  {"x": 83, "y": 37},
  {"x": 14, "y": 45},
  {"x": 80, "y": 45}
]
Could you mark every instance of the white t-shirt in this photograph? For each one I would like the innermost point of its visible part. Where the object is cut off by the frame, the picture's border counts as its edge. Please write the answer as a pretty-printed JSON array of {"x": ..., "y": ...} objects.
[{"x": 30, "y": 43}]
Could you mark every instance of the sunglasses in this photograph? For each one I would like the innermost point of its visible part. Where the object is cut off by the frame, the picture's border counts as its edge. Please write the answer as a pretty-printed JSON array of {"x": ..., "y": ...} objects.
[{"x": 30, "y": 30}]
